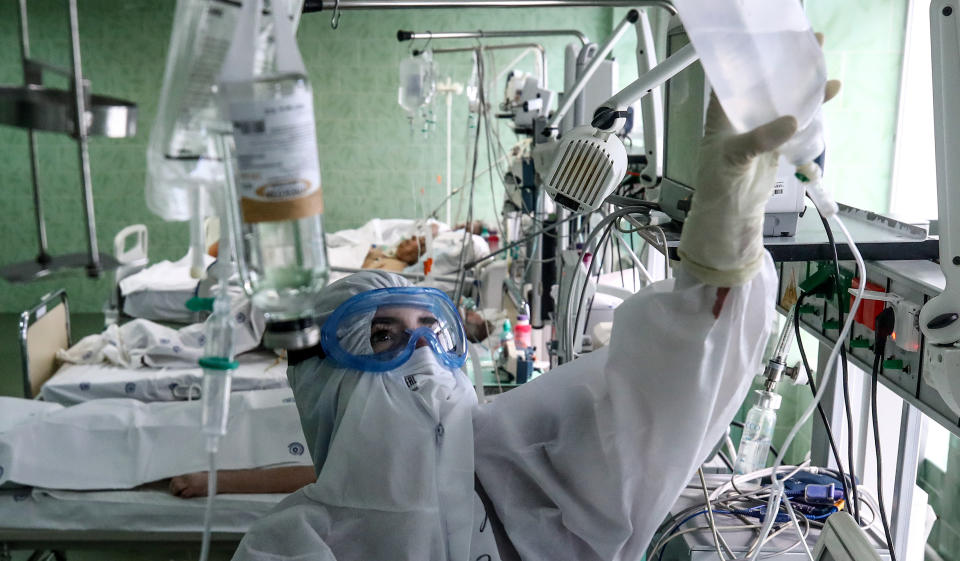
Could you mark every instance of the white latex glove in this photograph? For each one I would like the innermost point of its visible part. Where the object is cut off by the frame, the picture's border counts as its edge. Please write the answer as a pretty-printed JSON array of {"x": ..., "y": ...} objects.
[{"x": 722, "y": 239}]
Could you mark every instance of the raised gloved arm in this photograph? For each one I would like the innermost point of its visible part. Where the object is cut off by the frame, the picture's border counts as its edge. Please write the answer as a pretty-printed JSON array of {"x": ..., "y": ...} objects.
[
  {"x": 585, "y": 461},
  {"x": 722, "y": 239}
]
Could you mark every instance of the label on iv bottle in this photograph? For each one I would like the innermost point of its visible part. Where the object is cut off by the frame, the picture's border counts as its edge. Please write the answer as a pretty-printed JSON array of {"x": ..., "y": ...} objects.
[
  {"x": 196, "y": 105},
  {"x": 278, "y": 169}
]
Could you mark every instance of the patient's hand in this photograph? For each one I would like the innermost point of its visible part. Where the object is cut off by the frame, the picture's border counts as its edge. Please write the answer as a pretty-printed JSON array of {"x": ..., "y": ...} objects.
[{"x": 189, "y": 485}]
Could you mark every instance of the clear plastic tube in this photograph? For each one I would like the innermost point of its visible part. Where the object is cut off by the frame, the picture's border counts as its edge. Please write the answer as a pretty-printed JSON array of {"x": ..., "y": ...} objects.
[
  {"x": 796, "y": 524},
  {"x": 216, "y": 405},
  {"x": 218, "y": 366},
  {"x": 197, "y": 239},
  {"x": 786, "y": 338},
  {"x": 208, "y": 509}
]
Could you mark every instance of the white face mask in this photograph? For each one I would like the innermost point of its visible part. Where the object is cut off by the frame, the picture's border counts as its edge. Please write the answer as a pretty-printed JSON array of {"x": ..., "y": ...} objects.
[{"x": 425, "y": 374}]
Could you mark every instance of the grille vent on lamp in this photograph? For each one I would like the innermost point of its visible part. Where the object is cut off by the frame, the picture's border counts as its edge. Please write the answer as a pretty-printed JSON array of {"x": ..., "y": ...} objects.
[{"x": 588, "y": 167}]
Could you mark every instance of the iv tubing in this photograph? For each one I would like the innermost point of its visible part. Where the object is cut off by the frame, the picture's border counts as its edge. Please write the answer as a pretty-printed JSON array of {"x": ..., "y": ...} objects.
[
  {"x": 793, "y": 519},
  {"x": 217, "y": 369},
  {"x": 208, "y": 509},
  {"x": 449, "y": 179},
  {"x": 828, "y": 371},
  {"x": 633, "y": 257}
]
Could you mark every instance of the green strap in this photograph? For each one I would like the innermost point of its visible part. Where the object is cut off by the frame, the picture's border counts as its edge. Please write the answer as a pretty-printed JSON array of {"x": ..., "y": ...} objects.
[
  {"x": 218, "y": 363},
  {"x": 197, "y": 304}
]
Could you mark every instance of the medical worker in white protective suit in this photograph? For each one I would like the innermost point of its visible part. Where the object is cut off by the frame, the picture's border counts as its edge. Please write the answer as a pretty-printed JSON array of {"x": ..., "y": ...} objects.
[{"x": 582, "y": 463}]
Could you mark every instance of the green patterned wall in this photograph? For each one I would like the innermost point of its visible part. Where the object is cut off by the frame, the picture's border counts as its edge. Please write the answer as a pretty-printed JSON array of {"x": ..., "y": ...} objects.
[{"x": 123, "y": 47}]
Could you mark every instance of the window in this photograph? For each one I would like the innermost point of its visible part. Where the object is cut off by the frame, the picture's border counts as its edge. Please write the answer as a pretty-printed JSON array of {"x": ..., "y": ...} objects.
[{"x": 913, "y": 196}]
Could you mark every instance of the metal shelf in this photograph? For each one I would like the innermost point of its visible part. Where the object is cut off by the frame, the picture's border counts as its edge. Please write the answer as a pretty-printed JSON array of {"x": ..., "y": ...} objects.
[
  {"x": 44, "y": 109},
  {"x": 879, "y": 239}
]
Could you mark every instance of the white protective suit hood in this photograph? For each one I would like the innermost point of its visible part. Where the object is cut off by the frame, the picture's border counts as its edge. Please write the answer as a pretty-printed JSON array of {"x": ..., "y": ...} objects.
[{"x": 393, "y": 453}]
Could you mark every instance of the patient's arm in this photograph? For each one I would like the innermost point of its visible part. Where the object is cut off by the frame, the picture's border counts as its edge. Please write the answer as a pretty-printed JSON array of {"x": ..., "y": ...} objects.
[{"x": 269, "y": 480}]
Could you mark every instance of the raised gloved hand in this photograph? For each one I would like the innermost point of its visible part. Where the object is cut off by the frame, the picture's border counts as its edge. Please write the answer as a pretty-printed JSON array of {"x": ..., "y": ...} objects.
[{"x": 722, "y": 239}]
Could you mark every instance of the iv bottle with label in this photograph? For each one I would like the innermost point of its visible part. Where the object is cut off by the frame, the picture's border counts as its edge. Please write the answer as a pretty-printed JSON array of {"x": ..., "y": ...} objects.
[
  {"x": 757, "y": 433},
  {"x": 277, "y": 180}
]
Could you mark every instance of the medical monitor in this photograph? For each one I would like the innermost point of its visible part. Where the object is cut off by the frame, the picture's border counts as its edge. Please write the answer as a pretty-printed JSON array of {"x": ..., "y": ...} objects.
[{"x": 685, "y": 106}]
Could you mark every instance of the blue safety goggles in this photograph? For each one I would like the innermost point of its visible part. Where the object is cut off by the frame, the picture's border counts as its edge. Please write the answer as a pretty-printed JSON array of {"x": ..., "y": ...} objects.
[{"x": 378, "y": 330}]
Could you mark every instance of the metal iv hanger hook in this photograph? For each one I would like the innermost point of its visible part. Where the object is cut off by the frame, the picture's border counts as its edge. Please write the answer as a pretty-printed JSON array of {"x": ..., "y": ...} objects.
[
  {"x": 418, "y": 52},
  {"x": 335, "y": 18}
]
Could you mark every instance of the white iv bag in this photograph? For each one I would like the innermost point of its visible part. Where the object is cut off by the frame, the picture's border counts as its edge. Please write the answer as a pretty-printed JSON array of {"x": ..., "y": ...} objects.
[
  {"x": 417, "y": 82},
  {"x": 763, "y": 62},
  {"x": 179, "y": 139}
]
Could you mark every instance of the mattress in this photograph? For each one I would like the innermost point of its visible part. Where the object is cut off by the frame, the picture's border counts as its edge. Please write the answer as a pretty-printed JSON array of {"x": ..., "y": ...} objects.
[
  {"x": 113, "y": 513},
  {"x": 76, "y": 383},
  {"x": 125, "y": 443}
]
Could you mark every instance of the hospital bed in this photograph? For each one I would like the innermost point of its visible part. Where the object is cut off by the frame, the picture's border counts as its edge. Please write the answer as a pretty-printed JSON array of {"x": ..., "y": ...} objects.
[
  {"x": 160, "y": 292},
  {"x": 75, "y": 383},
  {"x": 348, "y": 249},
  {"x": 146, "y": 516},
  {"x": 143, "y": 519},
  {"x": 157, "y": 291}
]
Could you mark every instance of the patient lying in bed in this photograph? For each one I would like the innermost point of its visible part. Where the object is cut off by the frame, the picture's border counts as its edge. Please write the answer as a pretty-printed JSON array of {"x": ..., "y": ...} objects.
[{"x": 400, "y": 245}]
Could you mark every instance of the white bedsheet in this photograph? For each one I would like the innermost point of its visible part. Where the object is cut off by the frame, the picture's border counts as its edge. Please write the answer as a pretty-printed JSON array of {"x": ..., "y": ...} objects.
[
  {"x": 348, "y": 248},
  {"x": 123, "y": 443},
  {"x": 76, "y": 383},
  {"x": 160, "y": 291},
  {"x": 165, "y": 276},
  {"x": 379, "y": 231},
  {"x": 127, "y": 511}
]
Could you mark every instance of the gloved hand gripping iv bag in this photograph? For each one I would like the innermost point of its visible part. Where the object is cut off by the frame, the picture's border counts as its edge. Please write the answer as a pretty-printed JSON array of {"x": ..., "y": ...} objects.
[
  {"x": 283, "y": 257},
  {"x": 763, "y": 62}
]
